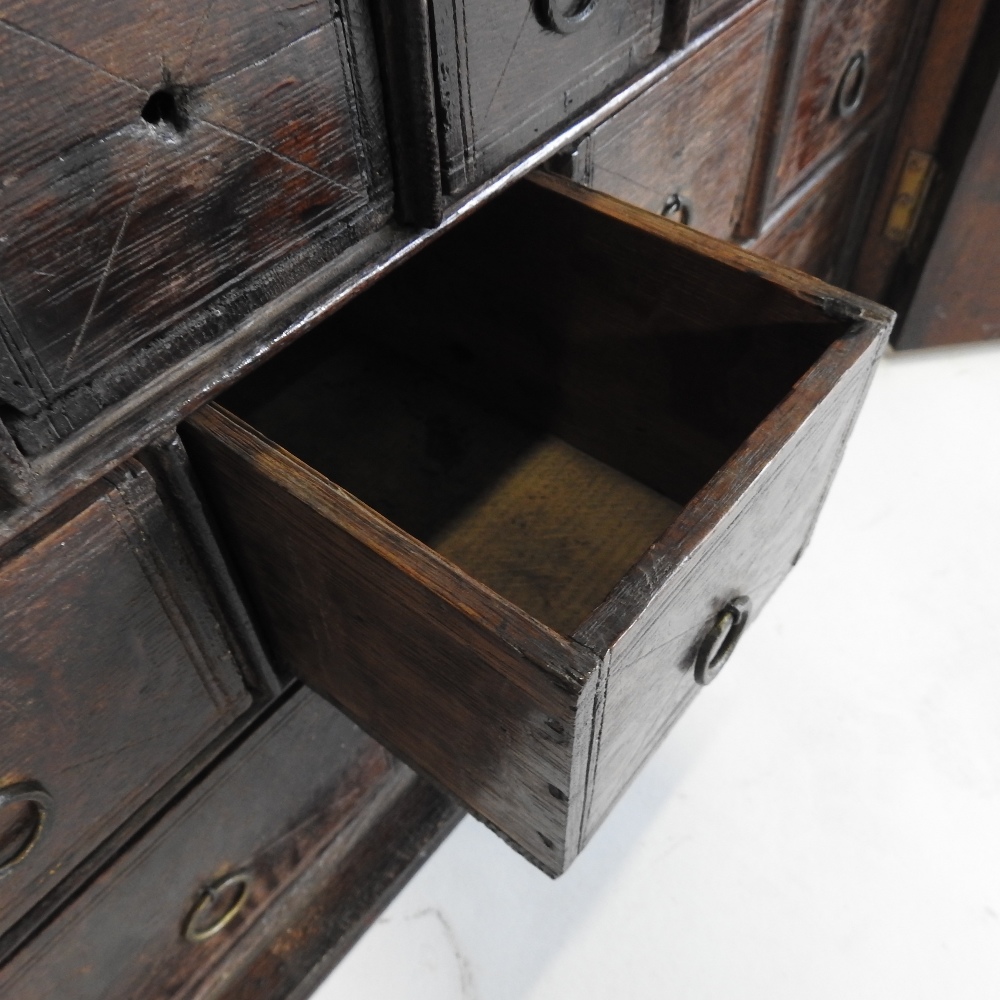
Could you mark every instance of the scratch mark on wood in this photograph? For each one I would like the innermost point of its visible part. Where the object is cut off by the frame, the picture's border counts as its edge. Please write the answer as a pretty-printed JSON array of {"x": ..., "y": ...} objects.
[
  {"x": 17, "y": 29},
  {"x": 196, "y": 37},
  {"x": 280, "y": 156},
  {"x": 506, "y": 65},
  {"x": 107, "y": 269}
]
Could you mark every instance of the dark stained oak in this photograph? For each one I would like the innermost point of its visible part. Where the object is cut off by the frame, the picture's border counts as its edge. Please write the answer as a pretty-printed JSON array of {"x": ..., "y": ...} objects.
[
  {"x": 683, "y": 147},
  {"x": 312, "y": 925},
  {"x": 115, "y": 675},
  {"x": 450, "y": 403},
  {"x": 307, "y": 789},
  {"x": 522, "y": 475},
  {"x": 165, "y": 168},
  {"x": 810, "y": 231},
  {"x": 846, "y": 57},
  {"x": 506, "y": 78}
]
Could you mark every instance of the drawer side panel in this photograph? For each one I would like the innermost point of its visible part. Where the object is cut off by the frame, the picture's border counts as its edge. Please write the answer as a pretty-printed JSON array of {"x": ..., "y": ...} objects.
[{"x": 458, "y": 683}]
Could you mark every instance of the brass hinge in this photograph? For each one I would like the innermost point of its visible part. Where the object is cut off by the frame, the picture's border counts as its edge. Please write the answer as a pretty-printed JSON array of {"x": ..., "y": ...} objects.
[{"x": 911, "y": 193}]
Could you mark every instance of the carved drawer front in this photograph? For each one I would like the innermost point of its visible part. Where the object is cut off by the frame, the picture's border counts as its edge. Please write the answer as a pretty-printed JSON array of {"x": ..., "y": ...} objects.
[
  {"x": 508, "y": 73},
  {"x": 513, "y": 506},
  {"x": 683, "y": 148},
  {"x": 158, "y": 159},
  {"x": 158, "y": 921},
  {"x": 810, "y": 231},
  {"x": 845, "y": 58},
  {"x": 114, "y": 675}
]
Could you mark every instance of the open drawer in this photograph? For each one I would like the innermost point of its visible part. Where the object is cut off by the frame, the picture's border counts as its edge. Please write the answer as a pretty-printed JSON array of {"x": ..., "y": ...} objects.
[{"x": 512, "y": 506}]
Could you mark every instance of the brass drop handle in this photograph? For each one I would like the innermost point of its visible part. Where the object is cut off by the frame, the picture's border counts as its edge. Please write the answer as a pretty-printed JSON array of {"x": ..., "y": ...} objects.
[
  {"x": 231, "y": 892},
  {"x": 721, "y": 639},
  {"x": 678, "y": 208},
  {"x": 567, "y": 22},
  {"x": 32, "y": 793},
  {"x": 851, "y": 88}
]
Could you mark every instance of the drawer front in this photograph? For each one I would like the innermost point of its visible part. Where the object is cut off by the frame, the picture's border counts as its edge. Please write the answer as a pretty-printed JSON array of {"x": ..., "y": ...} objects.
[
  {"x": 683, "y": 148},
  {"x": 155, "y": 159},
  {"x": 510, "y": 73},
  {"x": 707, "y": 561},
  {"x": 845, "y": 60},
  {"x": 115, "y": 674},
  {"x": 158, "y": 920},
  {"x": 810, "y": 232},
  {"x": 644, "y": 378}
]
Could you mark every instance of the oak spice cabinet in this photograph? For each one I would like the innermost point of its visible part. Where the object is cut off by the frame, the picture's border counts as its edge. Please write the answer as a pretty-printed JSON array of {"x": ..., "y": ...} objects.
[{"x": 188, "y": 188}]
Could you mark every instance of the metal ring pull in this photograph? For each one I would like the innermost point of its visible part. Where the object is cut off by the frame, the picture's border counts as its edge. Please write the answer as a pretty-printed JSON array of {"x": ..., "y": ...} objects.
[
  {"x": 194, "y": 930},
  {"x": 677, "y": 208},
  {"x": 851, "y": 89},
  {"x": 565, "y": 23},
  {"x": 721, "y": 639},
  {"x": 34, "y": 794}
]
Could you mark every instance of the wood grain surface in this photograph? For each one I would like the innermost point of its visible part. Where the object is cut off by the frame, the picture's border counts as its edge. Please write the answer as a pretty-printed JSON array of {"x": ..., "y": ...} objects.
[
  {"x": 928, "y": 102},
  {"x": 158, "y": 158},
  {"x": 607, "y": 329},
  {"x": 306, "y": 782},
  {"x": 958, "y": 297},
  {"x": 116, "y": 673},
  {"x": 691, "y": 136},
  {"x": 829, "y": 34},
  {"x": 505, "y": 79}
]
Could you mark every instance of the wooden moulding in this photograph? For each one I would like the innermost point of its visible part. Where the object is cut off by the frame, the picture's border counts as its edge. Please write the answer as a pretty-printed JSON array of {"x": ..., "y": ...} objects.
[
  {"x": 722, "y": 382},
  {"x": 32, "y": 488}
]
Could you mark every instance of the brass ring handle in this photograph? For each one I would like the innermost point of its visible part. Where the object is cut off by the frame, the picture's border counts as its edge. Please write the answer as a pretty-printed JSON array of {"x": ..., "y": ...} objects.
[
  {"x": 851, "y": 88},
  {"x": 35, "y": 794},
  {"x": 678, "y": 208},
  {"x": 721, "y": 639},
  {"x": 194, "y": 930},
  {"x": 565, "y": 23}
]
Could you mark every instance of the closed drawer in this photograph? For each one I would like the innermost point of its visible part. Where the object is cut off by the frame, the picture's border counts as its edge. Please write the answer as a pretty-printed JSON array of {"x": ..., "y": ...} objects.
[
  {"x": 158, "y": 921},
  {"x": 844, "y": 60},
  {"x": 115, "y": 675},
  {"x": 683, "y": 148},
  {"x": 512, "y": 506},
  {"x": 507, "y": 73},
  {"x": 157, "y": 160},
  {"x": 811, "y": 231}
]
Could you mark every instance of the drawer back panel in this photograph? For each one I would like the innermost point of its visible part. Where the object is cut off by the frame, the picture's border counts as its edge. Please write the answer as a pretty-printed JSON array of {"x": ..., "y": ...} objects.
[{"x": 566, "y": 325}]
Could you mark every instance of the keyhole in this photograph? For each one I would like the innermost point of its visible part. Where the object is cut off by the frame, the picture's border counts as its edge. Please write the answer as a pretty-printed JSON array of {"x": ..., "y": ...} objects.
[{"x": 162, "y": 108}]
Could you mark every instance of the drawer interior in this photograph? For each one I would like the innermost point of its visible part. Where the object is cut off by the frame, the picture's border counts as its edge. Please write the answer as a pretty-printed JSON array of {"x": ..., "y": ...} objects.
[{"x": 533, "y": 401}]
